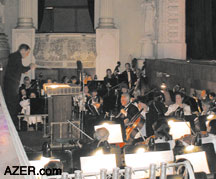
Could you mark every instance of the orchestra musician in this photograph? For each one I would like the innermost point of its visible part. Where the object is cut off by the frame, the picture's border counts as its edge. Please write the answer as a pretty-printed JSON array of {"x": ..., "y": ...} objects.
[
  {"x": 128, "y": 76},
  {"x": 142, "y": 133},
  {"x": 178, "y": 109},
  {"x": 95, "y": 103},
  {"x": 110, "y": 82},
  {"x": 200, "y": 121},
  {"x": 129, "y": 109}
]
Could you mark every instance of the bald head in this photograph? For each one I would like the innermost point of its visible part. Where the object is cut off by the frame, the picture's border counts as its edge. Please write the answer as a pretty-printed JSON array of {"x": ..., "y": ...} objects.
[{"x": 101, "y": 134}]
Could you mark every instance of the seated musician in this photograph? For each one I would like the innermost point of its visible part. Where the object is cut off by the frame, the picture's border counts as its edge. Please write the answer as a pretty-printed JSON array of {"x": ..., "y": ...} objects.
[
  {"x": 74, "y": 81},
  {"x": 65, "y": 80},
  {"x": 178, "y": 109},
  {"x": 95, "y": 103},
  {"x": 129, "y": 110},
  {"x": 82, "y": 102},
  {"x": 212, "y": 98},
  {"x": 27, "y": 85},
  {"x": 142, "y": 128},
  {"x": 100, "y": 142},
  {"x": 200, "y": 121}
]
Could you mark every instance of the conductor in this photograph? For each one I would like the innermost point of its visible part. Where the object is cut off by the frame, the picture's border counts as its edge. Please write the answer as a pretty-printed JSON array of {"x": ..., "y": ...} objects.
[{"x": 12, "y": 77}]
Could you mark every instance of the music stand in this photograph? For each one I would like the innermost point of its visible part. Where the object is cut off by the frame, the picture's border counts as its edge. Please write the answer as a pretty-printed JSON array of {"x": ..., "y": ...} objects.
[
  {"x": 141, "y": 160},
  {"x": 198, "y": 161},
  {"x": 179, "y": 129},
  {"x": 95, "y": 163}
]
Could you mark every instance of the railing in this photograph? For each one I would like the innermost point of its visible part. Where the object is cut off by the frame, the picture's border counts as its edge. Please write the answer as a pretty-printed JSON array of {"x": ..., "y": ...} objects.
[
  {"x": 11, "y": 148},
  {"x": 42, "y": 116},
  {"x": 128, "y": 172}
]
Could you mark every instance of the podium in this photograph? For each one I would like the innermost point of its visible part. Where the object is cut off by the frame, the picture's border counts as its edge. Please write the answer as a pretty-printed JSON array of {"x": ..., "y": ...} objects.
[{"x": 60, "y": 98}]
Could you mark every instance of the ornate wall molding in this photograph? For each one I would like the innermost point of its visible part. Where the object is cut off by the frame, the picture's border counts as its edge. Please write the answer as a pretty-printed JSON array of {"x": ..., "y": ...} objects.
[{"x": 64, "y": 50}]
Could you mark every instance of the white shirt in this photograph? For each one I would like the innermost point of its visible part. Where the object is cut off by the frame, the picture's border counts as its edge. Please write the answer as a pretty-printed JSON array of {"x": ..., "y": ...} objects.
[
  {"x": 173, "y": 107},
  {"x": 129, "y": 76}
]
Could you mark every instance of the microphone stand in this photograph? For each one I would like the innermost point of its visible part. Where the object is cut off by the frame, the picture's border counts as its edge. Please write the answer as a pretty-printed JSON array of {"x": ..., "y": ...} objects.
[{"x": 83, "y": 99}]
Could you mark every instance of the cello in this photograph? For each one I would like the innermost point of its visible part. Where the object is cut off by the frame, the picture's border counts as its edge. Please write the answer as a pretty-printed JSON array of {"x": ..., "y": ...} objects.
[
  {"x": 135, "y": 124},
  {"x": 133, "y": 127}
]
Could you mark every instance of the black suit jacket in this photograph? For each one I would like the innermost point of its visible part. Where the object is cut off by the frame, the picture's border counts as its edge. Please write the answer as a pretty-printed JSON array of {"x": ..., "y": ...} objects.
[
  {"x": 132, "y": 111},
  {"x": 125, "y": 77},
  {"x": 15, "y": 68}
]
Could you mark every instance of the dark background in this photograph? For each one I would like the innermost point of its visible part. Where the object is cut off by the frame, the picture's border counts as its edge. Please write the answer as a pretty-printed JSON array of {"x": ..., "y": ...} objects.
[{"x": 201, "y": 29}]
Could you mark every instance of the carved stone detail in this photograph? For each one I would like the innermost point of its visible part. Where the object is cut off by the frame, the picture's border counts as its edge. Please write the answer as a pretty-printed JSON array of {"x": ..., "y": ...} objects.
[{"x": 64, "y": 50}]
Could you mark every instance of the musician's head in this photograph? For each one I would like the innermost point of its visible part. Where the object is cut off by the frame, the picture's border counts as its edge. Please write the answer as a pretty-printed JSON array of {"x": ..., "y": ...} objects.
[
  {"x": 49, "y": 80},
  {"x": 178, "y": 98},
  {"x": 108, "y": 72},
  {"x": 24, "y": 50},
  {"x": 127, "y": 66},
  {"x": 86, "y": 89},
  {"x": 74, "y": 80},
  {"x": 212, "y": 96},
  {"x": 125, "y": 99},
  {"x": 32, "y": 95},
  {"x": 124, "y": 88},
  {"x": 27, "y": 81},
  {"x": 23, "y": 92},
  {"x": 101, "y": 134},
  {"x": 65, "y": 79},
  {"x": 94, "y": 93}
]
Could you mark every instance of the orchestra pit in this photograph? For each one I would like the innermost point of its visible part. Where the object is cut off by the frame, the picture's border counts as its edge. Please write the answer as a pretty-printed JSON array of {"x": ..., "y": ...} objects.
[{"x": 107, "y": 89}]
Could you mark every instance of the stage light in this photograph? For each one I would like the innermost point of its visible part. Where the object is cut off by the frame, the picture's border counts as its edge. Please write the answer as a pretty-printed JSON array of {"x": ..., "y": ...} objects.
[
  {"x": 105, "y": 124},
  {"x": 98, "y": 153},
  {"x": 170, "y": 122},
  {"x": 189, "y": 148},
  {"x": 211, "y": 116},
  {"x": 38, "y": 164},
  {"x": 163, "y": 86},
  {"x": 140, "y": 151},
  {"x": 44, "y": 160}
]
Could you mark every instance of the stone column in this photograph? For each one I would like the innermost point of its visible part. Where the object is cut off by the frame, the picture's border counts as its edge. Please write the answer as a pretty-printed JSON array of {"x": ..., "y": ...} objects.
[
  {"x": 25, "y": 14},
  {"x": 25, "y": 33},
  {"x": 106, "y": 14},
  {"x": 171, "y": 29},
  {"x": 107, "y": 40},
  {"x": 4, "y": 47}
]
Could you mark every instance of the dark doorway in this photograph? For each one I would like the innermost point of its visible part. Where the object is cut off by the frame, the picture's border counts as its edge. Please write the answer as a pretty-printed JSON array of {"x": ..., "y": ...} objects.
[
  {"x": 201, "y": 29},
  {"x": 73, "y": 16}
]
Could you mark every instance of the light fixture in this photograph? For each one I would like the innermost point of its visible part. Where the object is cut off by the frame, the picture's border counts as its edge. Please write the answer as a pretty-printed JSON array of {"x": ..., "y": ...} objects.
[
  {"x": 140, "y": 151},
  {"x": 98, "y": 152},
  {"x": 49, "y": 8},
  {"x": 211, "y": 116},
  {"x": 163, "y": 86},
  {"x": 189, "y": 148}
]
